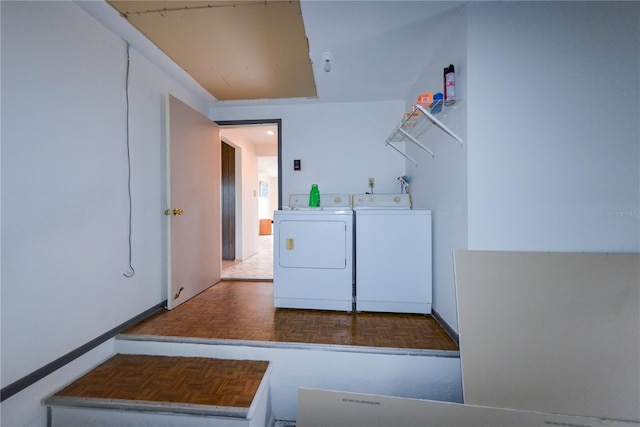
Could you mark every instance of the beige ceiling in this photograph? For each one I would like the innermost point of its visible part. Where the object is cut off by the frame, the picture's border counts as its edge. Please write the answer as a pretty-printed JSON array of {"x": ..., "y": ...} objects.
[{"x": 237, "y": 50}]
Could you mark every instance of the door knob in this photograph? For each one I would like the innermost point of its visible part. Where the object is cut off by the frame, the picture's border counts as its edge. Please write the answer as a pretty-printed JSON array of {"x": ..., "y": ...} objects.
[{"x": 167, "y": 212}]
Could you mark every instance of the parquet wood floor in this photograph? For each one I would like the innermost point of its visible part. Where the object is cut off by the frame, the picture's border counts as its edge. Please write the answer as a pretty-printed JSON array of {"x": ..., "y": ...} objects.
[
  {"x": 236, "y": 310},
  {"x": 183, "y": 380}
]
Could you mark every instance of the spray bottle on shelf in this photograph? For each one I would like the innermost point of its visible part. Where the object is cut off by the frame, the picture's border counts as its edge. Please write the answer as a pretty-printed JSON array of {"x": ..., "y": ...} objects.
[
  {"x": 449, "y": 85},
  {"x": 314, "y": 196}
]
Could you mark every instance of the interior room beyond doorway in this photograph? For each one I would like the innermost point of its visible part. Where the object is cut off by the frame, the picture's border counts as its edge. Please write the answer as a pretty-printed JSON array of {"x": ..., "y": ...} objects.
[{"x": 250, "y": 194}]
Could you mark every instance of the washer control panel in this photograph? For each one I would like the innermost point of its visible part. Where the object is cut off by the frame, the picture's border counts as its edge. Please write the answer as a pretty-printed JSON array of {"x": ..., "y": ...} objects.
[{"x": 381, "y": 201}]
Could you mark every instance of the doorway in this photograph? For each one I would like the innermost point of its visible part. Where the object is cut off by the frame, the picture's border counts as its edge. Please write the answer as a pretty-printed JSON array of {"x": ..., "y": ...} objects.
[{"x": 253, "y": 192}]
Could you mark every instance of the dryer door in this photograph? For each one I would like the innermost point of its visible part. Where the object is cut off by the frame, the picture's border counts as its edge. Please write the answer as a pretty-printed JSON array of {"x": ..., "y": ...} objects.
[{"x": 313, "y": 244}]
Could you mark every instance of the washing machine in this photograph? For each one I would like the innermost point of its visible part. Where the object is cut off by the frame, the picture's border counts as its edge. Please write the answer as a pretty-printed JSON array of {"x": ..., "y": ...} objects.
[
  {"x": 313, "y": 254},
  {"x": 393, "y": 254}
]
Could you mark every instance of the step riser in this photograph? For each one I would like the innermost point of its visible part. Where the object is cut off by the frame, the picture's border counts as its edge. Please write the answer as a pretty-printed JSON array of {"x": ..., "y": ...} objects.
[
  {"x": 419, "y": 375},
  {"x": 423, "y": 375},
  {"x": 89, "y": 417}
]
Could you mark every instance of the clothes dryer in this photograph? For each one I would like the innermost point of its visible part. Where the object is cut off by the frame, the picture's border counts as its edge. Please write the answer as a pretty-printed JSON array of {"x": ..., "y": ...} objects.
[{"x": 313, "y": 255}]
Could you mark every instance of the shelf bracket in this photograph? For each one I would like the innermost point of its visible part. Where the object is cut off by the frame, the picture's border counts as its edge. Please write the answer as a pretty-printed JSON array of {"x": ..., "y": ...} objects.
[
  {"x": 401, "y": 152},
  {"x": 415, "y": 141},
  {"x": 439, "y": 124}
]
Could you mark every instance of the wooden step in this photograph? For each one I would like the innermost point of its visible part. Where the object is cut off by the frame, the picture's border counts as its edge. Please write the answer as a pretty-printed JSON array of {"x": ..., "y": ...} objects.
[{"x": 133, "y": 390}]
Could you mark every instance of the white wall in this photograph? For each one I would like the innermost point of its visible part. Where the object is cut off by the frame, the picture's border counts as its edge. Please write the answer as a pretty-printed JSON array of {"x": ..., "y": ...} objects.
[
  {"x": 553, "y": 131},
  {"x": 25, "y": 408},
  {"x": 273, "y": 196},
  {"x": 249, "y": 197},
  {"x": 266, "y": 205},
  {"x": 552, "y": 149},
  {"x": 340, "y": 145},
  {"x": 64, "y": 188},
  {"x": 439, "y": 183},
  {"x": 551, "y": 160}
]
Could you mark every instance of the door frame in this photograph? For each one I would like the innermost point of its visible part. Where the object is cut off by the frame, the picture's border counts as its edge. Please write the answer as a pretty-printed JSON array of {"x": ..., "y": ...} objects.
[{"x": 278, "y": 123}]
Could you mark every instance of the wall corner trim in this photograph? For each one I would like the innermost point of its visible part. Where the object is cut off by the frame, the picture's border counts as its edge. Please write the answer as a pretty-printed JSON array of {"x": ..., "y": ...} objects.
[{"x": 448, "y": 329}]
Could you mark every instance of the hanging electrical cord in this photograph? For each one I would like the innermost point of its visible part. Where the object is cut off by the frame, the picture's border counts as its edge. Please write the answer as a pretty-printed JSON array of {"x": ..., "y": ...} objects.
[{"x": 131, "y": 272}]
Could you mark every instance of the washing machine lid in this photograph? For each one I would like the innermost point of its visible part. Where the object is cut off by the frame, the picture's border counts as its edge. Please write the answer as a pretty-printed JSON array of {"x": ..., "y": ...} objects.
[
  {"x": 381, "y": 201},
  {"x": 327, "y": 202}
]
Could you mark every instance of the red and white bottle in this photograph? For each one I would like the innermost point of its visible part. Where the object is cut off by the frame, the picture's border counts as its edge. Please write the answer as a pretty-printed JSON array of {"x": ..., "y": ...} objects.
[{"x": 449, "y": 84}]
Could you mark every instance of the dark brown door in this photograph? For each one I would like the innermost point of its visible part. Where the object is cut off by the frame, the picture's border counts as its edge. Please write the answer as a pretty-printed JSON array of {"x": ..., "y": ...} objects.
[{"x": 228, "y": 202}]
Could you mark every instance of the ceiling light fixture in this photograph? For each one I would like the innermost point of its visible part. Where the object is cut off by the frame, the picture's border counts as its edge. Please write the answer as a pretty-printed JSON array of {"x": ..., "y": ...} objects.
[
  {"x": 326, "y": 58},
  {"x": 270, "y": 132}
]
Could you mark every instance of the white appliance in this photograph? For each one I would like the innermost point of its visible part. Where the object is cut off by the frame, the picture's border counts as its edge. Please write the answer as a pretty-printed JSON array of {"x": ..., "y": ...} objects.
[
  {"x": 393, "y": 254},
  {"x": 313, "y": 254}
]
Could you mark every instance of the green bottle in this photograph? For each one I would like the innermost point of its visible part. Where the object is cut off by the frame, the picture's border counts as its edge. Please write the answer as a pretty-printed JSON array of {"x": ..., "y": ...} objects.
[{"x": 314, "y": 196}]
